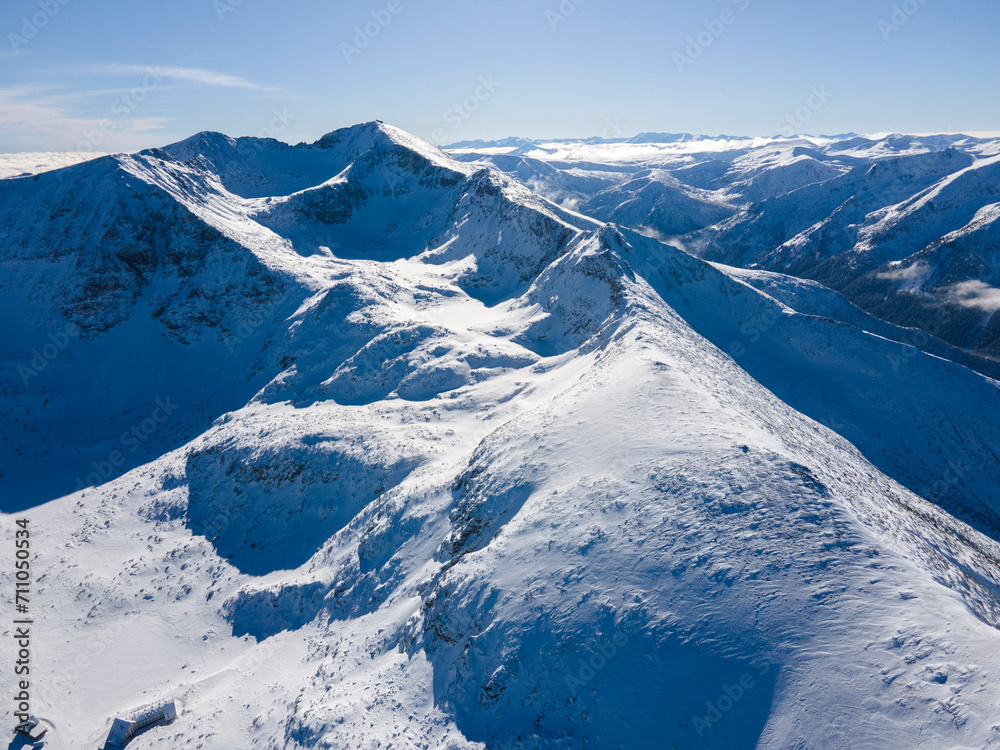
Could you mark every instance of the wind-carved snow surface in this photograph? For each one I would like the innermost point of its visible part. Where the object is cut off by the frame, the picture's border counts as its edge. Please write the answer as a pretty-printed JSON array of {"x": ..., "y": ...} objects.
[{"x": 477, "y": 471}]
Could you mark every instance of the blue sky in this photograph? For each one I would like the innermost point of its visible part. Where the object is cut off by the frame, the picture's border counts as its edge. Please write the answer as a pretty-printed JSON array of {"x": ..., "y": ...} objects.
[{"x": 106, "y": 76}]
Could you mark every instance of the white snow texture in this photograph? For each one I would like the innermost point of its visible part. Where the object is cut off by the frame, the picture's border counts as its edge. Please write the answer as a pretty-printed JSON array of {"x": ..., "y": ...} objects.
[{"x": 360, "y": 444}]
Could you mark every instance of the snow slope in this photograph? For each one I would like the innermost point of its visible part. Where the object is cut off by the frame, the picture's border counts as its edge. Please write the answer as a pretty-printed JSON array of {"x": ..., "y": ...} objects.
[
  {"x": 498, "y": 478},
  {"x": 863, "y": 231},
  {"x": 154, "y": 253},
  {"x": 864, "y": 215},
  {"x": 656, "y": 200}
]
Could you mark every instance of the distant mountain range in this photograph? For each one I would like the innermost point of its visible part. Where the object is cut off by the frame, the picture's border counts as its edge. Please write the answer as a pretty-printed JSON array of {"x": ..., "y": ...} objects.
[
  {"x": 903, "y": 226},
  {"x": 363, "y": 444}
]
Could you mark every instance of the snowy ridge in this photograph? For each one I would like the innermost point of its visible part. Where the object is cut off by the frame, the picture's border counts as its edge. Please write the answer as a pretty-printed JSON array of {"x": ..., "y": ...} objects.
[
  {"x": 486, "y": 473},
  {"x": 865, "y": 215},
  {"x": 157, "y": 247}
]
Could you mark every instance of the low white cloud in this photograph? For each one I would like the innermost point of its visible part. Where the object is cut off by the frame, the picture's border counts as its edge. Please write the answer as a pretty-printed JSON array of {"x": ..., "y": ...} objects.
[
  {"x": 632, "y": 152},
  {"x": 909, "y": 273},
  {"x": 652, "y": 233},
  {"x": 975, "y": 294},
  {"x": 33, "y": 163},
  {"x": 559, "y": 197},
  {"x": 910, "y": 278}
]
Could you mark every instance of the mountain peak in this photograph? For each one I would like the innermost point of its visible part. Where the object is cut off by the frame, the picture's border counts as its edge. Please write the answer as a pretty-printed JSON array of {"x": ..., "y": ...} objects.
[
  {"x": 381, "y": 422},
  {"x": 204, "y": 143},
  {"x": 371, "y": 130},
  {"x": 377, "y": 134}
]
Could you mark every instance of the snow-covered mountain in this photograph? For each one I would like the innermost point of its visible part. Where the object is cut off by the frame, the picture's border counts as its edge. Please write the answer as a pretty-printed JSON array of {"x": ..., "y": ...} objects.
[
  {"x": 902, "y": 225},
  {"x": 454, "y": 466}
]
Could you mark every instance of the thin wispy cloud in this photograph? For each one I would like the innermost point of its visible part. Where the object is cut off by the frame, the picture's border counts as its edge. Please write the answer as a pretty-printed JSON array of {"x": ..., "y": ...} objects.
[
  {"x": 198, "y": 76},
  {"x": 29, "y": 121},
  {"x": 44, "y": 116}
]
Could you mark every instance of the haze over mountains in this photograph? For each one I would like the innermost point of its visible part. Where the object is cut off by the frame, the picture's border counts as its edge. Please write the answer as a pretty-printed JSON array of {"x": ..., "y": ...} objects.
[{"x": 388, "y": 449}]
